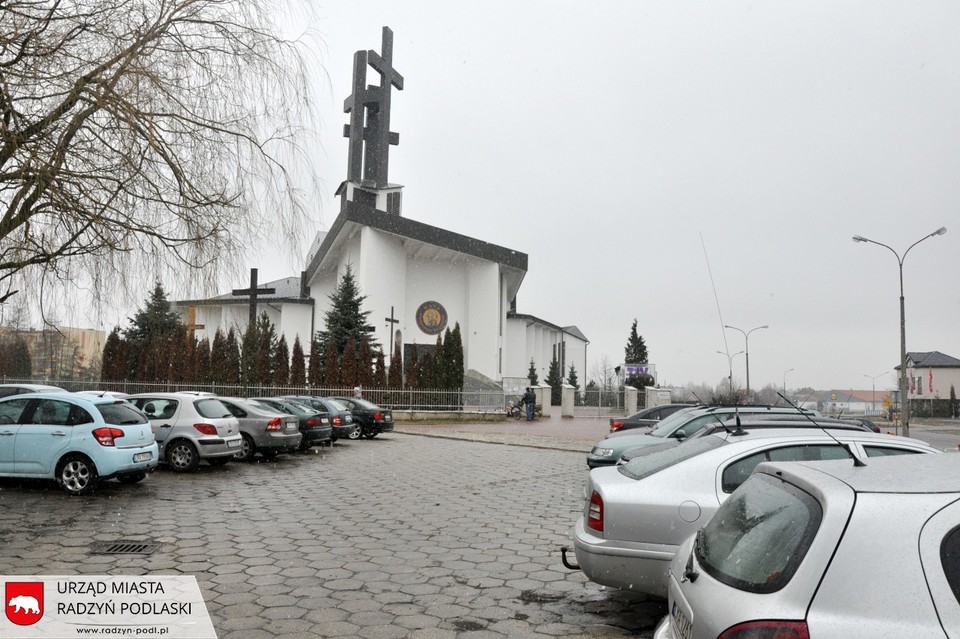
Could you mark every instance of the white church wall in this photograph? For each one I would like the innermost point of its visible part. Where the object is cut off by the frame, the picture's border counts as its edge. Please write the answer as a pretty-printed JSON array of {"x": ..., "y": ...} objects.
[
  {"x": 295, "y": 321},
  {"x": 480, "y": 332},
  {"x": 441, "y": 281},
  {"x": 516, "y": 360},
  {"x": 382, "y": 277}
]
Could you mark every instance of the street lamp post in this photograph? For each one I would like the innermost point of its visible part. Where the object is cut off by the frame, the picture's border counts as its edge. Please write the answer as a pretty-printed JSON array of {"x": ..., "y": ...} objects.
[
  {"x": 873, "y": 381},
  {"x": 904, "y": 402},
  {"x": 785, "y": 380},
  {"x": 746, "y": 346},
  {"x": 730, "y": 364}
]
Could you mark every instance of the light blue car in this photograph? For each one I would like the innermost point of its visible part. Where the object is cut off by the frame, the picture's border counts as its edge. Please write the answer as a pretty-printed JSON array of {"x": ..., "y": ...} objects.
[{"x": 76, "y": 440}]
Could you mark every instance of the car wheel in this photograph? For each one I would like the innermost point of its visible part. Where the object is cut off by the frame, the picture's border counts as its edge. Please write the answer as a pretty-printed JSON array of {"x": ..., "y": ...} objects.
[
  {"x": 131, "y": 478},
  {"x": 217, "y": 462},
  {"x": 247, "y": 448},
  {"x": 182, "y": 456},
  {"x": 371, "y": 434},
  {"x": 77, "y": 475},
  {"x": 354, "y": 434}
]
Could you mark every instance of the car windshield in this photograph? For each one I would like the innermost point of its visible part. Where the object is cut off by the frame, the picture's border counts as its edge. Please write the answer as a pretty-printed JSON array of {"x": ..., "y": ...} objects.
[
  {"x": 669, "y": 424},
  {"x": 121, "y": 414},
  {"x": 759, "y": 536},
  {"x": 301, "y": 409},
  {"x": 646, "y": 465}
]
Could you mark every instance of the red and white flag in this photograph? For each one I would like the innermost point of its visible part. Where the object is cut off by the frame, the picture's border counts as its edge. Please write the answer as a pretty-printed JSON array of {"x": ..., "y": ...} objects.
[{"x": 931, "y": 380}]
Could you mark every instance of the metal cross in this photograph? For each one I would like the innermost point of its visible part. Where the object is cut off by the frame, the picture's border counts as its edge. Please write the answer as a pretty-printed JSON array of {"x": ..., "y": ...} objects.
[
  {"x": 391, "y": 321},
  {"x": 373, "y": 104},
  {"x": 253, "y": 292}
]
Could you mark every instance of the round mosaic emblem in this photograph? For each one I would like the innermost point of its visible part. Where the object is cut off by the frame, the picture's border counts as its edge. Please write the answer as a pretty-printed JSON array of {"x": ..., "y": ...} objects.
[{"x": 431, "y": 318}]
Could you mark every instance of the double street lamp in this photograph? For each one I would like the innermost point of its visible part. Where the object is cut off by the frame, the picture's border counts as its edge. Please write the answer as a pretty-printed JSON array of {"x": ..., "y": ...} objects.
[
  {"x": 746, "y": 346},
  {"x": 904, "y": 402},
  {"x": 730, "y": 363}
]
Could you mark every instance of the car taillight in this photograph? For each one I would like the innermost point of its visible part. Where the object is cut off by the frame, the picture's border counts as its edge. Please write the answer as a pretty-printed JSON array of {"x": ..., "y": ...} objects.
[
  {"x": 615, "y": 426},
  {"x": 274, "y": 425},
  {"x": 105, "y": 435},
  {"x": 378, "y": 416},
  {"x": 336, "y": 420},
  {"x": 595, "y": 512},
  {"x": 206, "y": 429},
  {"x": 314, "y": 421},
  {"x": 770, "y": 629}
]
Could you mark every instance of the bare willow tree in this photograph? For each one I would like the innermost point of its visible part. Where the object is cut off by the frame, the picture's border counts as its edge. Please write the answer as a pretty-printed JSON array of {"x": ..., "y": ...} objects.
[{"x": 157, "y": 131}]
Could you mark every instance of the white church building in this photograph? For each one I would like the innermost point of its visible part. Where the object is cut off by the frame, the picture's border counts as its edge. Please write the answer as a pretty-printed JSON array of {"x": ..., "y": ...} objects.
[{"x": 418, "y": 279}]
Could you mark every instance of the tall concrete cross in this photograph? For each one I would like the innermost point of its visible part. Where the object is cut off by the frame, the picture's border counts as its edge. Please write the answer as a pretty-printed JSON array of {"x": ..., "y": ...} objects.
[
  {"x": 253, "y": 292},
  {"x": 372, "y": 161},
  {"x": 390, "y": 322}
]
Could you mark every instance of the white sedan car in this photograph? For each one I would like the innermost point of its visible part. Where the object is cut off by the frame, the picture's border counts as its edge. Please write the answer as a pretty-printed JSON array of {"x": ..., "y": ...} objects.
[
  {"x": 637, "y": 514},
  {"x": 826, "y": 550}
]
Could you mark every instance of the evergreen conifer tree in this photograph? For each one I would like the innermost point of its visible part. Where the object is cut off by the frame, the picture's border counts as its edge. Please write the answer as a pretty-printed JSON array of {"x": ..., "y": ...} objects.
[
  {"x": 331, "y": 366},
  {"x": 231, "y": 362},
  {"x": 532, "y": 374},
  {"x": 114, "y": 366},
  {"x": 554, "y": 381},
  {"x": 203, "y": 371},
  {"x": 218, "y": 358},
  {"x": 425, "y": 372},
  {"x": 411, "y": 369},
  {"x": 298, "y": 369},
  {"x": 346, "y": 318},
  {"x": 149, "y": 334},
  {"x": 438, "y": 367},
  {"x": 364, "y": 364},
  {"x": 453, "y": 352},
  {"x": 379, "y": 372},
  {"x": 348, "y": 364},
  {"x": 395, "y": 372},
  {"x": 281, "y": 363},
  {"x": 266, "y": 350},
  {"x": 572, "y": 378},
  {"x": 315, "y": 367},
  {"x": 636, "y": 350},
  {"x": 249, "y": 356}
]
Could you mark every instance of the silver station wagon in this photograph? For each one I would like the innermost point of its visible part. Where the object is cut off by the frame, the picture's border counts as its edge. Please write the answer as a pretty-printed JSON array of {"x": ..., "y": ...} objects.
[
  {"x": 826, "y": 550},
  {"x": 638, "y": 513}
]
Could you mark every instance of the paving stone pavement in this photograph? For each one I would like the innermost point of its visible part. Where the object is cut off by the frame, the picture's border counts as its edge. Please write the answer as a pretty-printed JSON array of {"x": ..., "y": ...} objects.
[{"x": 400, "y": 536}]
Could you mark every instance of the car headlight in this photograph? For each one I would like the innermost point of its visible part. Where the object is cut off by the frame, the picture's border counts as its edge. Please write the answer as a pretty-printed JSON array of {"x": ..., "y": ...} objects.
[{"x": 602, "y": 452}]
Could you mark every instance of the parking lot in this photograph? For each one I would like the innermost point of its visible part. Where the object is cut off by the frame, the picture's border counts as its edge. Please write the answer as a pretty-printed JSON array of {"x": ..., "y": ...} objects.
[{"x": 399, "y": 536}]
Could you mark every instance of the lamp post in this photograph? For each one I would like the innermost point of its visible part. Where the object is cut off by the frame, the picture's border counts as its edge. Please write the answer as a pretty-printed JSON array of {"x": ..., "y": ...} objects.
[
  {"x": 785, "y": 380},
  {"x": 746, "y": 346},
  {"x": 904, "y": 402},
  {"x": 730, "y": 363},
  {"x": 873, "y": 382}
]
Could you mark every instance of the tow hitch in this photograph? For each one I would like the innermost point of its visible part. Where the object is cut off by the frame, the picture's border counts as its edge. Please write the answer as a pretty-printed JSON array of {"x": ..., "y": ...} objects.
[{"x": 566, "y": 562}]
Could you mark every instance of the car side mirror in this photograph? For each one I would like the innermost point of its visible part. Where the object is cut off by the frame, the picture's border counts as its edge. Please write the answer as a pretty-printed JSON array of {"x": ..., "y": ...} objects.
[{"x": 680, "y": 434}]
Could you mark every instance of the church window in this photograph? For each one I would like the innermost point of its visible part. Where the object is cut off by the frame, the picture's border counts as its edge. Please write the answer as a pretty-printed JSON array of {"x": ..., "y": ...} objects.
[{"x": 393, "y": 203}]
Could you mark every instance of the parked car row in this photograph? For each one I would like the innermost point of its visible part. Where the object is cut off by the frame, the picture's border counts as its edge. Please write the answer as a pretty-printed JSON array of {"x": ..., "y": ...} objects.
[
  {"x": 79, "y": 439},
  {"x": 780, "y": 527}
]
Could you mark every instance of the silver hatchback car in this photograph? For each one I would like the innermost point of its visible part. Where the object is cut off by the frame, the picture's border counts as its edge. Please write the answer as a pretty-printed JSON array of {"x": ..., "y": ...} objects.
[
  {"x": 190, "y": 427},
  {"x": 637, "y": 514},
  {"x": 826, "y": 550}
]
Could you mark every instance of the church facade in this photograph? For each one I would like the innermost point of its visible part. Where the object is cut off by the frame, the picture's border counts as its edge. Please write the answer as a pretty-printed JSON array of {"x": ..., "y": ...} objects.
[{"x": 418, "y": 279}]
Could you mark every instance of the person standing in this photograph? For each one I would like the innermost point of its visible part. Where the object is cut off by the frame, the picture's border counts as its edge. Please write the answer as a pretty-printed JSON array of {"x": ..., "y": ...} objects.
[{"x": 529, "y": 400}]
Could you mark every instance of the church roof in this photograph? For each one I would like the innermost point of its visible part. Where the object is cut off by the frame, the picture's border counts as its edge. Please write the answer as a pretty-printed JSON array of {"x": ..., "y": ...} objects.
[
  {"x": 572, "y": 331},
  {"x": 287, "y": 291},
  {"x": 405, "y": 227}
]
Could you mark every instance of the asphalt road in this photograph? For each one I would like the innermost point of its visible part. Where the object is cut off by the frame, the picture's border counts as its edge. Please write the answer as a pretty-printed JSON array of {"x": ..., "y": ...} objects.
[{"x": 400, "y": 536}]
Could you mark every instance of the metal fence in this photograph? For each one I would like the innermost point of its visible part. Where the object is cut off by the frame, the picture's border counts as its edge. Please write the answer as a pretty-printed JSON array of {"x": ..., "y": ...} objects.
[{"x": 396, "y": 399}]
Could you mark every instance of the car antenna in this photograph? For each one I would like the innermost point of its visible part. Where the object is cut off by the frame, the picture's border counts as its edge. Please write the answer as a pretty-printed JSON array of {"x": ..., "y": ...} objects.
[
  {"x": 736, "y": 416},
  {"x": 697, "y": 397},
  {"x": 856, "y": 460}
]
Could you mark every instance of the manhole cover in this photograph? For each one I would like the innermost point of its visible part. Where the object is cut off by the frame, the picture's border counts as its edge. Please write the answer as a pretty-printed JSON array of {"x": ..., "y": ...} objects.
[{"x": 124, "y": 548}]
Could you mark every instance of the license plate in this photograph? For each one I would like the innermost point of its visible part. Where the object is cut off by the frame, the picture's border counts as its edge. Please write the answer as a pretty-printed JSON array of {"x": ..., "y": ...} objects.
[
  {"x": 682, "y": 628},
  {"x": 388, "y": 418},
  {"x": 234, "y": 444},
  {"x": 142, "y": 457}
]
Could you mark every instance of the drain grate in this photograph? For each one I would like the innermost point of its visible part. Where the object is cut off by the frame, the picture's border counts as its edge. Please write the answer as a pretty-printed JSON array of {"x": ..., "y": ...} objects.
[{"x": 124, "y": 548}]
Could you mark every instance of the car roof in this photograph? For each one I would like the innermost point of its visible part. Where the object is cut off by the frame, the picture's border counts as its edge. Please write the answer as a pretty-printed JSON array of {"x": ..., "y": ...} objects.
[
  {"x": 77, "y": 398},
  {"x": 900, "y": 474},
  {"x": 40, "y": 388}
]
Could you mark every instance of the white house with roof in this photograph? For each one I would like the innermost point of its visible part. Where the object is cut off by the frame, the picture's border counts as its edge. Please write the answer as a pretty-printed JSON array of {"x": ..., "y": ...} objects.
[{"x": 931, "y": 375}]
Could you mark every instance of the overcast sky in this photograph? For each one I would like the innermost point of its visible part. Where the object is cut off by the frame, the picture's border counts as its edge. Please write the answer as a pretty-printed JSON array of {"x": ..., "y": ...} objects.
[{"x": 631, "y": 149}]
